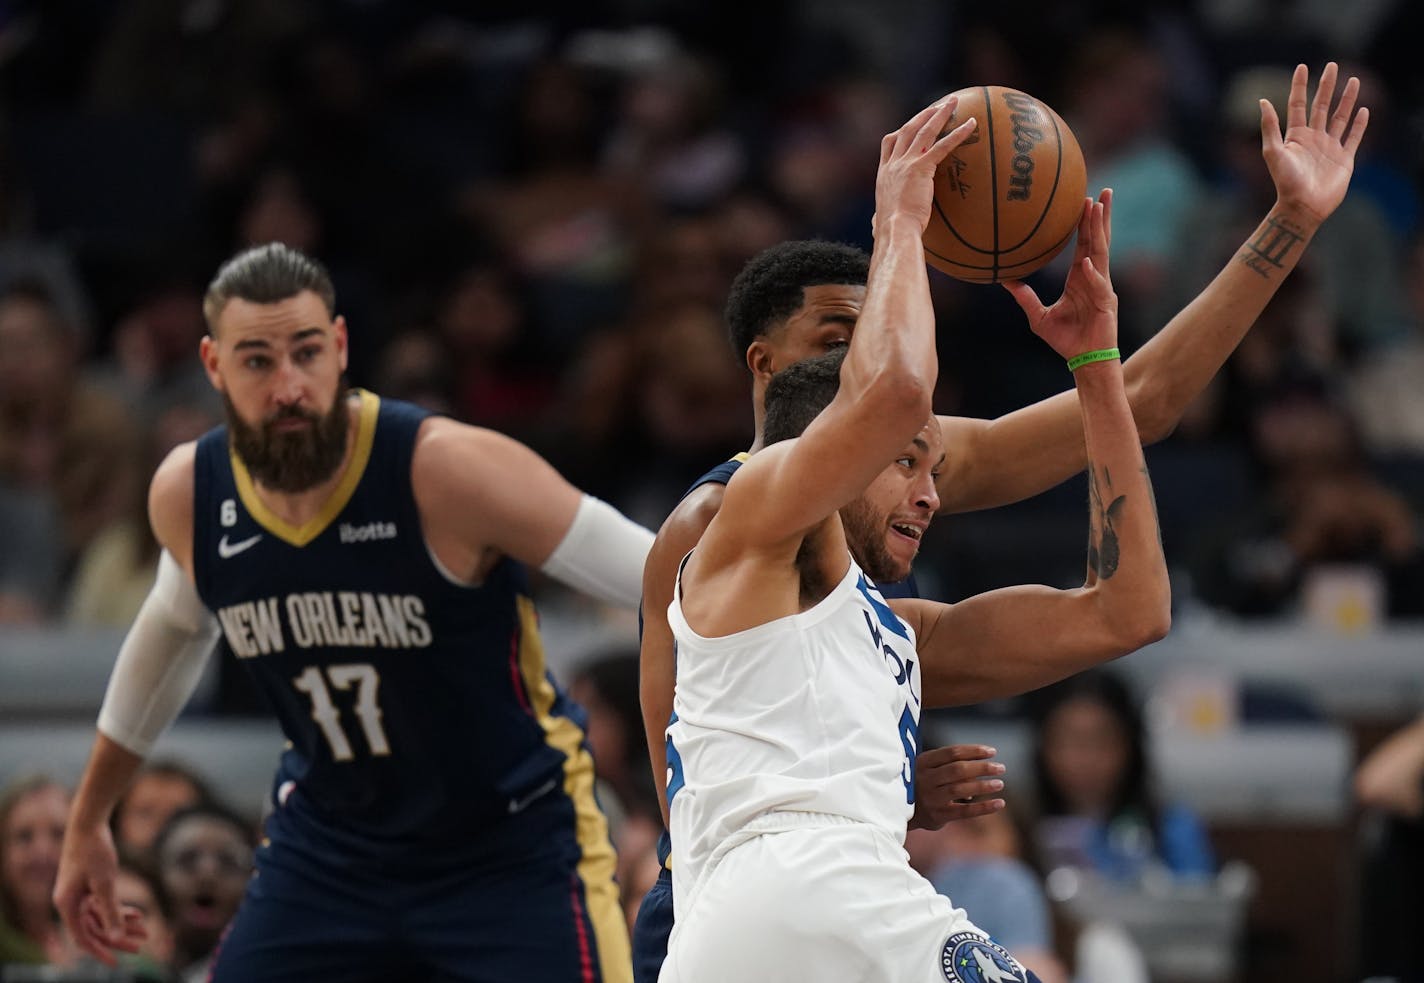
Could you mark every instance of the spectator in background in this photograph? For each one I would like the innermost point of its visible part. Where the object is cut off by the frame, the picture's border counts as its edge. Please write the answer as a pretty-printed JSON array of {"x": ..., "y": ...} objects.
[
  {"x": 671, "y": 135},
  {"x": 159, "y": 791},
  {"x": 205, "y": 860},
  {"x": 60, "y": 433},
  {"x": 1322, "y": 506},
  {"x": 606, "y": 686},
  {"x": 114, "y": 573},
  {"x": 1117, "y": 106},
  {"x": 1097, "y": 809},
  {"x": 138, "y": 888},
  {"x": 978, "y": 864},
  {"x": 32, "y": 819},
  {"x": 154, "y": 360},
  {"x": 1389, "y": 783},
  {"x": 1385, "y": 390},
  {"x": 572, "y": 231},
  {"x": 500, "y": 376},
  {"x": 30, "y": 562},
  {"x": 649, "y": 404}
]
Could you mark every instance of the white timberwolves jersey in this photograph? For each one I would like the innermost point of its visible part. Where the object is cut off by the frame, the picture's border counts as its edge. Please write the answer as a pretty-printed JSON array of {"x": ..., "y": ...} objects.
[{"x": 816, "y": 712}]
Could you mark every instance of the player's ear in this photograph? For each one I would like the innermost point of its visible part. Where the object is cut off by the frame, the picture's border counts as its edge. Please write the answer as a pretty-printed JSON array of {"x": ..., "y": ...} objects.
[
  {"x": 760, "y": 360},
  {"x": 208, "y": 352},
  {"x": 338, "y": 335}
]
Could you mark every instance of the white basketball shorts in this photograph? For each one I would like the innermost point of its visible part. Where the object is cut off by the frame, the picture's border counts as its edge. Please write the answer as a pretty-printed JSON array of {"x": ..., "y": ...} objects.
[{"x": 827, "y": 900}]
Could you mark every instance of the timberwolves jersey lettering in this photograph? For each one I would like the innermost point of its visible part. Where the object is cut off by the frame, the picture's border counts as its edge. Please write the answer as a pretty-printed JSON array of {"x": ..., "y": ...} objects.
[
  {"x": 816, "y": 712},
  {"x": 418, "y": 710}
]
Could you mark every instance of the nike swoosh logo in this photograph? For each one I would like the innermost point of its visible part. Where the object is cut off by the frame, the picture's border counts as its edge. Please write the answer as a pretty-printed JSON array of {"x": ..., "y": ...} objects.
[
  {"x": 519, "y": 805},
  {"x": 228, "y": 550}
]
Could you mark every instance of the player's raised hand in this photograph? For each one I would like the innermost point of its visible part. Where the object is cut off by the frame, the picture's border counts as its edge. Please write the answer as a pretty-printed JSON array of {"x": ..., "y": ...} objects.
[
  {"x": 84, "y": 896},
  {"x": 904, "y": 183},
  {"x": 1085, "y": 317},
  {"x": 956, "y": 782},
  {"x": 1311, "y": 165}
]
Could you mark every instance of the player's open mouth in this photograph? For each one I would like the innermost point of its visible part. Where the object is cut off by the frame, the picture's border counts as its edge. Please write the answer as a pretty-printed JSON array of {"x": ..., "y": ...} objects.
[{"x": 907, "y": 530}]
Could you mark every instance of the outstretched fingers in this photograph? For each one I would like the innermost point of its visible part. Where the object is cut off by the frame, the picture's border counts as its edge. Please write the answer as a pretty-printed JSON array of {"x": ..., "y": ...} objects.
[
  {"x": 1357, "y": 130},
  {"x": 1324, "y": 95},
  {"x": 1270, "y": 127},
  {"x": 1340, "y": 119},
  {"x": 1096, "y": 248},
  {"x": 1105, "y": 198},
  {"x": 1027, "y": 300},
  {"x": 952, "y": 139},
  {"x": 921, "y": 130},
  {"x": 1295, "y": 104}
]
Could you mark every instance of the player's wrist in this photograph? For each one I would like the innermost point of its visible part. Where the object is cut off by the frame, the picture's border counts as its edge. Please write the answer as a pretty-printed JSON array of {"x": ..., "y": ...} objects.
[
  {"x": 1104, "y": 373},
  {"x": 899, "y": 224},
  {"x": 1296, "y": 216},
  {"x": 1088, "y": 356}
]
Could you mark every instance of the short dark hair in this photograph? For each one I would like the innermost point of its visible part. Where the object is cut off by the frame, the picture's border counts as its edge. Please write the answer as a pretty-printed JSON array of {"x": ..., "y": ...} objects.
[
  {"x": 798, "y": 393},
  {"x": 772, "y": 284},
  {"x": 211, "y": 809},
  {"x": 265, "y": 275}
]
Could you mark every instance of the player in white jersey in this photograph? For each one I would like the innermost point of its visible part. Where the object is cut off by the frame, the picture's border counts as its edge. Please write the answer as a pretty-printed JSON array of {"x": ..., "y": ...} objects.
[{"x": 799, "y": 688}]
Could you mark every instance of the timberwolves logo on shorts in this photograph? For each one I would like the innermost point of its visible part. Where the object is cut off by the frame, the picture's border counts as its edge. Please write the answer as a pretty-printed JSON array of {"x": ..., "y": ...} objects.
[{"x": 972, "y": 958}]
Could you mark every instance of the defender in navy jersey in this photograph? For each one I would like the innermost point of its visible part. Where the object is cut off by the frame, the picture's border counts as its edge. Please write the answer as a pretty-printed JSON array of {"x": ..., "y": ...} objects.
[
  {"x": 801, "y": 299},
  {"x": 433, "y": 816}
]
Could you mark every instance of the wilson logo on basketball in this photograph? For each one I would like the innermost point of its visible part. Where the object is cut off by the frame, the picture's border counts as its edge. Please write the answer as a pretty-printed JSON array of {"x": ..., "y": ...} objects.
[{"x": 1027, "y": 122}]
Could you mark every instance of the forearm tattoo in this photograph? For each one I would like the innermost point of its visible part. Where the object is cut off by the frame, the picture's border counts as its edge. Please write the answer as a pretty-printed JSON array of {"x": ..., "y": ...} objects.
[
  {"x": 1103, "y": 549},
  {"x": 1271, "y": 247}
]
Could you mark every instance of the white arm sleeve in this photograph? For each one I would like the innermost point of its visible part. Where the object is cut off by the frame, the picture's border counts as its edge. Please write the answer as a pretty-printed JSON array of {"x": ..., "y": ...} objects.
[
  {"x": 159, "y": 663},
  {"x": 602, "y": 554}
]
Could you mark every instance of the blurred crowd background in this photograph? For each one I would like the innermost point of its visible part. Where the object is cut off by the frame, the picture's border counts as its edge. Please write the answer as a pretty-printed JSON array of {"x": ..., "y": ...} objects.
[{"x": 532, "y": 222}]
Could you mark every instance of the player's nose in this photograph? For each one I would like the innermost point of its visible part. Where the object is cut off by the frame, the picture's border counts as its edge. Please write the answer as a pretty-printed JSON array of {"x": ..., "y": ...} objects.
[
  {"x": 288, "y": 388},
  {"x": 927, "y": 495}
]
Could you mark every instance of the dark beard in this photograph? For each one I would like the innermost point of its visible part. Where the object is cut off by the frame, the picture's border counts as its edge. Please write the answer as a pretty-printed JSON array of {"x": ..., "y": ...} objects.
[
  {"x": 294, "y": 461},
  {"x": 865, "y": 534}
]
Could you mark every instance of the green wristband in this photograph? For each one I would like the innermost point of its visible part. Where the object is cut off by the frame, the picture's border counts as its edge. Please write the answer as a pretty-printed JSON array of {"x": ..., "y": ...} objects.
[{"x": 1101, "y": 355}]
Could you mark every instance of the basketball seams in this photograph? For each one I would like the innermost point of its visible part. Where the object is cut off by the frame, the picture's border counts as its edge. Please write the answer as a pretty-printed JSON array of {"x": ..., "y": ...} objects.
[
  {"x": 947, "y": 247},
  {"x": 993, "y": 173}
]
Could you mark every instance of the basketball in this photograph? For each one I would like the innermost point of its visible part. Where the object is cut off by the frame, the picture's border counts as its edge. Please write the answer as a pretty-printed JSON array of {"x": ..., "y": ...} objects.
[{"x": 1009, "y": 198}]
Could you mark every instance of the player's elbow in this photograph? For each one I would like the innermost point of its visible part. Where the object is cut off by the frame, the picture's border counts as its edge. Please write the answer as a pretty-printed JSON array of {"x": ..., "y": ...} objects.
[
  {"x": 1152, "y": 412},
  {"x": 1139, "y": 622},
  {"x": 1151, "y": 622},
  {"x": 901, "y": 392},
  {"x": 1151, "y": 627}
]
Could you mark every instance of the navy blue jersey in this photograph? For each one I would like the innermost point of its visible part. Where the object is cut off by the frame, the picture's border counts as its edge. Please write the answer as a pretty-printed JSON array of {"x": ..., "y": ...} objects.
[{"x": 418, "y": 710}]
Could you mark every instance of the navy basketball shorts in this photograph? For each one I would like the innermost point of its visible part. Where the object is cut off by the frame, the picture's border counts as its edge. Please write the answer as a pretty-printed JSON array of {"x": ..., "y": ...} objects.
[
  {"x": 651, "y": 930},
  {"x": 540, "y": 919}
]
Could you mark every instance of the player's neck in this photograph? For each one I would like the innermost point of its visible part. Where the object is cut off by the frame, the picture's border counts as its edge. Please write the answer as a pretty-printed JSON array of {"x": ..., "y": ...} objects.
[{"x": 296, "y": 508}]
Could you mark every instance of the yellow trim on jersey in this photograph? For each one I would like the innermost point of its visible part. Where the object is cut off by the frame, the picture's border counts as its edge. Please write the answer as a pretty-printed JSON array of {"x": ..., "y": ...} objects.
[
  {"x": 598, "y": 864},
  {"x": 340, "y": 495},
  {"x": 742, "y": 457}
]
